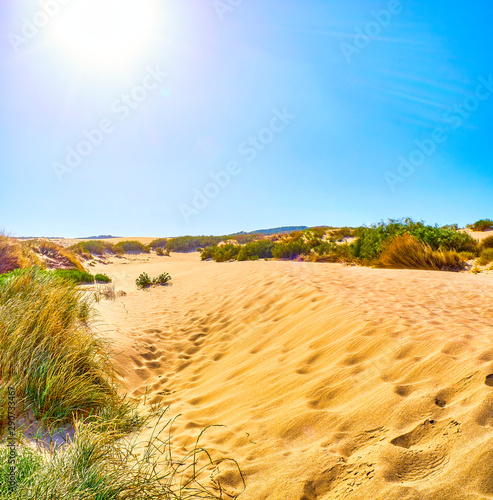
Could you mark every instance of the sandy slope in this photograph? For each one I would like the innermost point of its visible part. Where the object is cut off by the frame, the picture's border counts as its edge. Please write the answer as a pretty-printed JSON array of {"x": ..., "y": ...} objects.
[{"x": 334, "y": 382}]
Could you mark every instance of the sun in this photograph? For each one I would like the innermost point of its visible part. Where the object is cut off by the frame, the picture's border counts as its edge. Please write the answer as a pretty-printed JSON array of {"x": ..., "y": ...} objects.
[{"x": 108, "y": 32}]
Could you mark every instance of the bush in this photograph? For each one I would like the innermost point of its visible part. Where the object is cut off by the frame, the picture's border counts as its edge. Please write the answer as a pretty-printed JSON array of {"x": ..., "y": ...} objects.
[
  {"x": 159, "y": 243},
  {"x": 221, "y": 253},
  {"x": 144, "y": 281},
  {"x": 97, "y": 247},
  {"x": 290, "y": 249},
  {"x": 160, "y": 251},
  {"x": 255, "y": 250},
  {"x": 481, "y": 225},
  {"x": 487, "y": 242},
  {"x": 103, "y": 278},
  {"x": 407, "y": 252},
  {"x": 191, "y": 243},
  {"x": 131, "y": 246},
  {"x": 162, "y": 279},
  {"x": 486, "y": 257},
  {"x": 59, "y": 368},
  {"x": 372, "y": 239},
  {"x": 74, "y": 275}
]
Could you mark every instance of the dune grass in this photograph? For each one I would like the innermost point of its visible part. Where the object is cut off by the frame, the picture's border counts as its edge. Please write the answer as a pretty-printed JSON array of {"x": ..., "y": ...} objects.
[
  {"x": 59, "y": 368},
  {"x": 60, "y": 256},
  {"x": 15, "y": 255},
  {"x": 104, "y": 462},
  {"x": 407, "y": 252},
  {"x": 96, "y": 247},
  {"x": 486, "y": 257}
]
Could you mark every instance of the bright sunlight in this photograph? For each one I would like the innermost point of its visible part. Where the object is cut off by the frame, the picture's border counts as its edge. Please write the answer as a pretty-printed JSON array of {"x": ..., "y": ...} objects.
[{"x": 112, "y": 32}]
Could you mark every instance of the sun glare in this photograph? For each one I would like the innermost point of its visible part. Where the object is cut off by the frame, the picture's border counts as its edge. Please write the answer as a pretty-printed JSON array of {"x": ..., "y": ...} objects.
[{"x": 106, "y": 31}]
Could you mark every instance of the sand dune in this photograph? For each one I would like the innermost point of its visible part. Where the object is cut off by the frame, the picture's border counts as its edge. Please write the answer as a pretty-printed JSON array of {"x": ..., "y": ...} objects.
[{"x": 333, "y": 382}]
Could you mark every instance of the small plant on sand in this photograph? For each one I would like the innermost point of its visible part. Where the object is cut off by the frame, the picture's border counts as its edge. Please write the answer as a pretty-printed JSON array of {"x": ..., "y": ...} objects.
[
  {"x": 159, "y": 251},
  {"x": 144, "y": 281}
]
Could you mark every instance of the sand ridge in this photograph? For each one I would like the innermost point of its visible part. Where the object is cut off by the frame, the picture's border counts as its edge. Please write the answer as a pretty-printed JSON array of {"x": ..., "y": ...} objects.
[{"x": 332, "y": 381}]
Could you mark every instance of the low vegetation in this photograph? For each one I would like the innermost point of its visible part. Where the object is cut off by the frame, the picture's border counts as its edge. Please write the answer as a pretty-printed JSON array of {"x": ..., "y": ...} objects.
[
  {"x": 191, "y": 243},
  {"x": 144, "y": 281},
  {"x": 486, "y": 257},
  {"x": 400, "y": 243},
  {"x": 58, "y": 367},
  {"x": 131, "y": 247},
  {"x": 481, "y": 225},
  {"x": 407, "y": 252},
  {"x": 87, "y": 249}
]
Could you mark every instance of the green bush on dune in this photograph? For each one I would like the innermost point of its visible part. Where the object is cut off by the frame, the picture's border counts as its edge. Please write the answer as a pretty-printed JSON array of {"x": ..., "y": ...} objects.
[
  {"x": 131, "y": 246},
  {"x": 372, "y": 240},
  {"x": 481, "y": 225}
]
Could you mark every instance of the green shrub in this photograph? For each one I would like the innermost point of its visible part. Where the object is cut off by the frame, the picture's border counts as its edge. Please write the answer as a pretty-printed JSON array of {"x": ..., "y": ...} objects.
[
  {"x": 221, "y": 253},
  {"x": 144, "y": 281},
  {"x": 261, "y": 249},
  {"x": 481, "y": 225},
  {"x": 159, "y": 251},
  {"x": 159, "y": 243},
  {"x": 486, "y": 257},
  {"x": 370, "y": 243},
  {"x": 131, "y": 246},
  {"x": 191, "y": 243},
  {"x": 162, "y": 279},
  {"x": 103, "y": 278},
  {"x": 290, "y": 249},
  {"x": 487, "y": 242},
  {"x": 96, "y": 247},
  {"x": 74, "y": 275}
]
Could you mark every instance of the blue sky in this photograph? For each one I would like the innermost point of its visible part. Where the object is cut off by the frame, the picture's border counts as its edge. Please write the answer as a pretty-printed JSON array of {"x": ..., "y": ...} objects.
[{"x": 238, "y": 115}]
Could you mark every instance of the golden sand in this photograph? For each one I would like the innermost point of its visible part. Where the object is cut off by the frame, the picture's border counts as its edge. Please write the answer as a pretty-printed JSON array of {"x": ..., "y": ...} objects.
[{"x": 333, "y": 382}]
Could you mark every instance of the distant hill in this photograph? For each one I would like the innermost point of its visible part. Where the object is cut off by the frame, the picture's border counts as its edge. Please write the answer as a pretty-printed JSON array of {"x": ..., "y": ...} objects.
[
  {"x": 275, "y": 230},
  {"x": 100, "y": 237}
]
